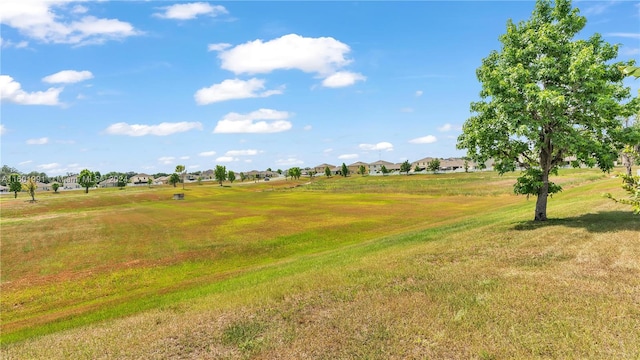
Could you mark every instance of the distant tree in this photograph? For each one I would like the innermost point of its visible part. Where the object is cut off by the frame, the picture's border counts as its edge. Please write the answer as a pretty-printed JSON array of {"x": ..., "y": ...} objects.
[
  {"x": 97, "y": 176},
  {"x": 86, "y": 179},
  {"x": 174, "y": 179},
  {"x": 295, "y": 172},
  {"x": 31, "y": 187},
  {"x": 181, "y": 169},
  {"x": 199, "y": 180},
  {"x": 279, "y": 171},
  {"x": 231, "y": 176},
  {"x": 417, "y": 168},
  {"x": 269, "y": 169},
  {"x": 5, "y": 174},
  {"x": 122, "y": 181},
  {"x": 243, "y": 177},
  {"x": 55, "y": 186},
  {"x": 311, "y": 173},
  {"x": 466, "y": 165},
  {"x": 327, "y": 171},
  {"x": 384, "y": 170},
  {"x": 546, "y": 97},
  {"x": 220, "y": 173},
  {"x": 150, "y": 182},
  {"x": 15, "y": 186},
  {"x": 405, "y": 167},
  {"x": 433, "y": 165},
  {"x": 344, "y": 170},
  {"x": 362, "y": 170}
]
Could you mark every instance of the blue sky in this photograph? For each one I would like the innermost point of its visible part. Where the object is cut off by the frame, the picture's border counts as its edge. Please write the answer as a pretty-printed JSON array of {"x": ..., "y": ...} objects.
[{"x": 144, "y": 86}]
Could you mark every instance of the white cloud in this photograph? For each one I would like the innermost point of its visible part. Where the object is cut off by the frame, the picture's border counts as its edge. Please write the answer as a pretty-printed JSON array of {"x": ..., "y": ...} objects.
[
  {"x": 79, "y": 9},
  {"x": 429, "y": 139},
  {"x": 46, "y": 21},
  {"x": 190, "y": 11},
  {"x": 226, "y": 159},
  {"x": 449, "y": 127},
  {"x": 161, "y": 129},
  {"x": 324, "y": 55},
  {"x": 25, "y": 162},
  {"x": 249, "y": 152},
  {"x": 9, "y": 44},
  {"x": 289, "y": 162},
  {"x": 193, "y": 166},
  {"x": 49, "y": 166},
  {"x": 40, "y": 141},
  {"x": 326, "y": 151},
  {"x": 184, "y": 157},
  {"x": 348, "y": 156},
  {"x": 207, "y": 153},
  {"x": 307, "y": 128},
  {"x": 68, "y": 77},
  {"x": 624, "y": 35},
  {"x": 3, "y": 129},
  {"x": 419, "y": 93},
  {"x": 386, "y": 146},
  {"x": 11, "y": 90},
  {"x": 259, "y": 121},
  {"x": 342, "y": 79},
  {"x": 233, "y": 89},
  {"x": 218, "y": 47},
  {"x": 166, "y": 160}
]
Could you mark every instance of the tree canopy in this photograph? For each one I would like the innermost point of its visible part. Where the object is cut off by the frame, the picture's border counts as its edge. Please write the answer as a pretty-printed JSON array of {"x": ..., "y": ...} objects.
[
  {"x": 220, "y": 173},
  {"x": 86, "y": 179},
  {"x": 547, "y": 98}
]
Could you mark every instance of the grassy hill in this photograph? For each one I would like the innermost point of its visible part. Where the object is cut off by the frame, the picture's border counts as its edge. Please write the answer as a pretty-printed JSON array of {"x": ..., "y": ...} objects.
[{"x": 435, "y": 266}]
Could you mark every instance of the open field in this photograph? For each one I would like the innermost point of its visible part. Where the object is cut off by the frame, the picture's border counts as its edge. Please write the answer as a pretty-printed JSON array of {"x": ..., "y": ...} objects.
[{"x": 428, "y": 266}]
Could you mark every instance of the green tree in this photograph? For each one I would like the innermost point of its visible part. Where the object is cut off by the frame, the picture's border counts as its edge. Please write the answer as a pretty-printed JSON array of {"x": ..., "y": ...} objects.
[
  {"x": 199, "y": 180},
  {"x": 181, "y": 169},
  {"x": 15, "y": 186},
  {"x": 279, "y": 171},
  {"x": 417, "y": 168},
  {"x": 150, "y": 182},
  {"x": 433, "y": 165},
  {"x": 86, "y": 179},
  {"x": 174, "y": 179},
  {"x": 243, "y": 177},
  {"x": 362, "y": 170},
  {"x": 220, "y": 173},
  {"x": 545, "y": 97},
  {"x": 384, "y": 170},
  {"x": 344, "y": 170},
  {"x": 311, "y": 173},
  {"x": 295, "y": 172},
  {"x": 327, "y": 171},
  {"x": 31, "y": 187},
  {"x": 405, "y": 167},
  {"x": 231, "y": 176},
  {"x": 55, "y": 186},
  {"x": 5, "y": 174}
]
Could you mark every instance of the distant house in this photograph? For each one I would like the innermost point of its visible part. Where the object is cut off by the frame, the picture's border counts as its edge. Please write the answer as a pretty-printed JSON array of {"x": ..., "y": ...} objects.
[
  {"x": 140, "y": 179},
  {"x": 71, "y": 183},
  {"x": 208, "y": 175},
  {"x": 422, "y": 163},
  {"x": 162, "y": 180},
  {"x": 355, "y": 167},
  {"x": 376, "y": 167},
  {"x": 109, "y": 182},
  {"x": 320, "y": 168}
]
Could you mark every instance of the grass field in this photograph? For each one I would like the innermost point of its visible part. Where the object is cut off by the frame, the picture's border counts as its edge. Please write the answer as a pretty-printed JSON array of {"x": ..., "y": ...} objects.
[{"x": 425, "y": 266}]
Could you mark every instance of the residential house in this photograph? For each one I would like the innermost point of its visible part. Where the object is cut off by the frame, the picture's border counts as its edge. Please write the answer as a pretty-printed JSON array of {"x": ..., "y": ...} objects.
[
  {"x": 71, "y": 182},
  {"x": 320, "y": 168},
  {"x": 355, "y": 167},
  {"x": 422, "y": 163},
  {"x": 376, "y": 167},
  {"x": 140, "y": 179}
]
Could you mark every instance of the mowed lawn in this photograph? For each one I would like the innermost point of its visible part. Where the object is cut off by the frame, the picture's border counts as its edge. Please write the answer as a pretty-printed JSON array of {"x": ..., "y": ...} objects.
[{"x": 423, "y": 266}]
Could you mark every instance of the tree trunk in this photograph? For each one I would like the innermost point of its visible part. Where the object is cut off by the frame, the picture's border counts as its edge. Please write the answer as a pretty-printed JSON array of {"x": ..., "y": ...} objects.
[
  {"x": 15, "y": 194},
  {"x": 86, "y": 190},
  {"x": 543, "y": 194},
  {"x": 626, "y": 162}
]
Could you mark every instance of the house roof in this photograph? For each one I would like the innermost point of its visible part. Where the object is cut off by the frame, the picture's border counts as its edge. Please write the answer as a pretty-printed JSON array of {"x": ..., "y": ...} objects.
[
  {"x": 358, "y": 163},
  {"x": 382, "y": 162}
]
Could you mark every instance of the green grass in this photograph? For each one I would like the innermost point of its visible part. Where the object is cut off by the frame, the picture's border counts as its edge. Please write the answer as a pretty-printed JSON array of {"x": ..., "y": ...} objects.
[{"x": 363, "y": 267}]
